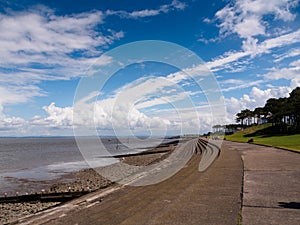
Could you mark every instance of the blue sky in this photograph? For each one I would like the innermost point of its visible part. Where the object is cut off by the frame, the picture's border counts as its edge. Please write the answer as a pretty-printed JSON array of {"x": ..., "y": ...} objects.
[{"x": 251, "y": 48}]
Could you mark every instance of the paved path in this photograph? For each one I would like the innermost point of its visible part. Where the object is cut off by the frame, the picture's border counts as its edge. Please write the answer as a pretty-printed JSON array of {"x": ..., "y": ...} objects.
[
  {"x": 271, "y": 194},
  {"x": 271, "y": 185},
  {"x": 188, "y": 197}
]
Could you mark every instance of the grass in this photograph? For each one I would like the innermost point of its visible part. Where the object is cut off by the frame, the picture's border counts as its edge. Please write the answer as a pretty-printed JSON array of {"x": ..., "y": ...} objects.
[{"x": 266, "y": 135}]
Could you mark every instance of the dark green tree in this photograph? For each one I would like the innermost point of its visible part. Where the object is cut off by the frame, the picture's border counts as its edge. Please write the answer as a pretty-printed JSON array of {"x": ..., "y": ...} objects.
[
  {"x": 244, "y": 114},
  {"x": 294, "y": 107},
  {"x": 259, "y": 113},
  {"x": 282, "y": 112}
]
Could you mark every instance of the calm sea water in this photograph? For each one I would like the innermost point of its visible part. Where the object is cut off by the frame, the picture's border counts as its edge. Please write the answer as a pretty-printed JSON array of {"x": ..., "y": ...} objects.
[{"x": 29, "y": 161}]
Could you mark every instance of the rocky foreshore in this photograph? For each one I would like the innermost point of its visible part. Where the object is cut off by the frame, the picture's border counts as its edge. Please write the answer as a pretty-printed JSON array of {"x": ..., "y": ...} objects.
[
  {"x": 86, "y": 179},
  {"x": 83, "y": 180}
]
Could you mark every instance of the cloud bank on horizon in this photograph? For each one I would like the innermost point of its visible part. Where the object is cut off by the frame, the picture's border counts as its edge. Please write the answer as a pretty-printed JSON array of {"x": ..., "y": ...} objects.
[{"x": 251, "y": 46}]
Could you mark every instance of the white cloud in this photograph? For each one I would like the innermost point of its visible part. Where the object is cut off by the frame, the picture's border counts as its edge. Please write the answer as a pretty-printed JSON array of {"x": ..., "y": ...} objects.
[
  {"x": 290, "y": 73},
  {"x": 131, "y": 106},
  {"x": 41, "y": 44},
  {"x": 234, "y": 18},
  {"x": 295, "y": 83},
  {"x": 250, "y": 45},
  {"x": 37, "y": 32},
  {"x": 238, "y": 84},
  {"x": 250, "y": 27},
  {"x": 178, "y": 5},
  {"x": 50, "y": 40},
  {"x": 127, "y": 110},
  {"x": 9, "y": 123},
  {"x": 109, "y": 114},
  {"x": 38, "y": 45},
  {"x": 207, "y": 20},
  {"x": 261, "y": 96},
  {"x": 10, "y": 95},
  {"x": 246, "y": 18},
  {"x": 289, "y": 54},
  {"x": 222, "y": 62},
  {"x": 144, "y": 13},
  {"x": 58, "y": 117},
  {"x": 256, "y": 98},
  {"x": 174, "y": 5},
  {"x": 283, "y": 40}
]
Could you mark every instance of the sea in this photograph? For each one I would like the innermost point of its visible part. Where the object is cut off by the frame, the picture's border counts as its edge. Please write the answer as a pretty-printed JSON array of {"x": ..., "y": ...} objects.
[{"x": 29, "y": 164}]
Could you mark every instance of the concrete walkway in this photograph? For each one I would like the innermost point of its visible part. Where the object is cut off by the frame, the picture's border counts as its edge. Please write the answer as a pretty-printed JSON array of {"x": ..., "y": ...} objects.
[{"x": 271, "y": 185}]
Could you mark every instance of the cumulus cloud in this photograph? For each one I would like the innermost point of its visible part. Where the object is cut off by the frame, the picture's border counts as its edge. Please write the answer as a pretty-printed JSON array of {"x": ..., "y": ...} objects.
[
  {"x": 256, "y": 98},
  {"x": 129, "y": 107},
  {"x": 106, "y": 115},
  {"x": 9, "y": 124},
  {"x": 11, "y": 95},
  {"x": 154, "y": 103},
  {"x": 58, "y": 117}
]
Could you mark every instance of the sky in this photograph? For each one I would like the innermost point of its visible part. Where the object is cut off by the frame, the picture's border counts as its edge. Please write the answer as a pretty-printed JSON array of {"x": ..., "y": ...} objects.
[{"x": 182, "y": 65}]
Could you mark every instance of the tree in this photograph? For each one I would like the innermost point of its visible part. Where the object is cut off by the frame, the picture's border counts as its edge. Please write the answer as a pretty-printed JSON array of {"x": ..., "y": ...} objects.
[
  {"x": 249, "y": 115},
  {"x": 244, "y": 114},
  {"x": 240, "y": 118},
  {"x": 282, "y": 112},
  {"x": 259, "y": 113},
  {"x": 275, "y": 108},
  {"x": 294, "y": 106}
]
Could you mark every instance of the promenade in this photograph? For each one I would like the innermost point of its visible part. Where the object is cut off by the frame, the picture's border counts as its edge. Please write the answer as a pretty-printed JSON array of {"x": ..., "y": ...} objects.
[
  {"x": 267, "y": 179},
  {"x": 271, "y": 185},
  {"x": 188, "y": 197}
]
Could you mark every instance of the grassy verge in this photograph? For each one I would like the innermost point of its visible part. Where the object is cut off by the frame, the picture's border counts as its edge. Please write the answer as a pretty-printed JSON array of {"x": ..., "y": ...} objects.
[{"x": 262, "y": 134}]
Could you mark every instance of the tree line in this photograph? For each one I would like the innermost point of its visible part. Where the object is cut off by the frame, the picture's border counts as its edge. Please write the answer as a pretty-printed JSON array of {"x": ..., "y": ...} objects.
[{"x": 281, "y": 112}]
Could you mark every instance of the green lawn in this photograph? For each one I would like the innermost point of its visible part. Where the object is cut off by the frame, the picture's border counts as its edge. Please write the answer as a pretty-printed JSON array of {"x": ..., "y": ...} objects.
[{"x": 262, "y": 134}]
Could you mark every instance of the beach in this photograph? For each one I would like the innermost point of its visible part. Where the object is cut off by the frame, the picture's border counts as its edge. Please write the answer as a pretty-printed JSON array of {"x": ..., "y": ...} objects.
[{"x": 83, "y": 180}]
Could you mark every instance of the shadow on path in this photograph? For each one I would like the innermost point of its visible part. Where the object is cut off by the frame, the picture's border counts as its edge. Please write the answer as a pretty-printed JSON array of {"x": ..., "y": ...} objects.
[{"x": 289, "y": 205}]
